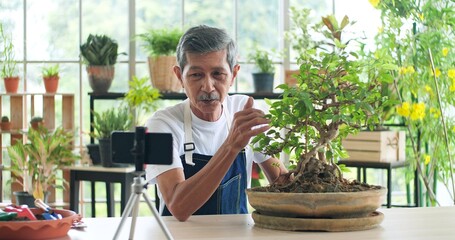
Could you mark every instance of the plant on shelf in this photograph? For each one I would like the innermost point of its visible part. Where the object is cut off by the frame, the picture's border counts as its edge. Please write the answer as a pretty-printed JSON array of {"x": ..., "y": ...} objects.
[
  {"x": 337, "y": 93},
  {"x": 419, "y": 36},
  {"x": 36, "y": 121},
  {"x": 113, "y": 119},
  {"x": 5, "y": 123},
  {"x": 263, "y": 78},
  {"x": 35, "y": 164},
  {"x": 100, "y": 53},
  {"x": 141, "y": 98},
  {"x": 160, "y": 45},
  {"x": 8, "y": 63},
  {"x": 50, "y": 78}
]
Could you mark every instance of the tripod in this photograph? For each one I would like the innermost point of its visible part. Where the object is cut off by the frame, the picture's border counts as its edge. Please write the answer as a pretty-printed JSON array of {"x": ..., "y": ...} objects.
[
  {"x": 138, "y": 190},
  {"x": 132, "y": 206}
]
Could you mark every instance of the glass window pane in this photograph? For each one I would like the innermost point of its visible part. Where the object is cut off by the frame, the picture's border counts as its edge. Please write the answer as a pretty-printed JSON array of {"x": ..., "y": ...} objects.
[
  {"x": 108, "y": 17},
  {"x": 217, "y": 13},
  {"x": 367, "y": 18},
  {"x": 52, "y": 34},
  {"x": 260, "y": 28},
  {"x": 155, "y": 15},
  {"x": 12, "y": 19}
]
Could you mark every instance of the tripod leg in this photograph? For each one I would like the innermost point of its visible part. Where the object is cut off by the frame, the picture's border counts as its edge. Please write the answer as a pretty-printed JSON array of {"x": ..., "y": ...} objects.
[
  {"x": 134, "y": 216},
  {"x": 157, "y": 216},
  {"x": 126, "y": 213}
]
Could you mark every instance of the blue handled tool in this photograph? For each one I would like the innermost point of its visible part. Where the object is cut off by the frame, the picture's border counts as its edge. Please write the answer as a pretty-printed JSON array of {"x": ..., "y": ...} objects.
[{"x": 49, "y": 213}]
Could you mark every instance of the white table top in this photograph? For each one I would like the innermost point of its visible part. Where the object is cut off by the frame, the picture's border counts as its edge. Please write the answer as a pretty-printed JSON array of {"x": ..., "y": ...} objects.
[
  {"x": 399, "y": 223},
  {"x": 102, "y": 169}
]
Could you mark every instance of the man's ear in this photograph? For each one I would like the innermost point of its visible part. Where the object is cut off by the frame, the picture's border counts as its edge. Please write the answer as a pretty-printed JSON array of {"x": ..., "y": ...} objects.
[
  {"x": 178, "y": 73},
  {"x": 235, "y": 71}
]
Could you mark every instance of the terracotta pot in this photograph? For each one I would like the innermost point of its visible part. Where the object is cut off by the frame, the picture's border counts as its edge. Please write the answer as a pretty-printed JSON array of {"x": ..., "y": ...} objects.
[
  {"x": 51, "y": 84},
  {"x": 11, "y": 84},
  {"x": 317, "y": 205},
  {"x": 39, "y": 229},
  {"x": 100, "y": 77},
  {"x": 6, "y": 126}
]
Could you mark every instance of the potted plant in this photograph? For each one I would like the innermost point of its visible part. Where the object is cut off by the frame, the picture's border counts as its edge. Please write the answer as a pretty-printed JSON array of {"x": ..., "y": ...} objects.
[
  {"x": 141, "y": 98},
  {"x": 337, "y": 93},
  {"x": 5, "y": 124},
  {"x": 113, "y": 119},
  {"x": 424, "y": 81},
  {"x": 263, "y": 79},
  {"x": 160, "y": 45},
  {"x": 34, "y": 164},
  {"x": 50, "y": 78},
  {"x": 100, "y": 54},
  {"x": 8, "y": 67},
  {"x": 36, "y": 122}
]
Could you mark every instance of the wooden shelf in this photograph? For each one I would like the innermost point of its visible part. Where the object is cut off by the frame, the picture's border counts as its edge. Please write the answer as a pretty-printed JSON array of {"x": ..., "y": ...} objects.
[{"x": 23, "y": 106}]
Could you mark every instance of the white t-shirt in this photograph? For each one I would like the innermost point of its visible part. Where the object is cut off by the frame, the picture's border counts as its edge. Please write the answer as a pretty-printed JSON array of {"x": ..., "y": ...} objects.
[{"x": 207, "y": 136}]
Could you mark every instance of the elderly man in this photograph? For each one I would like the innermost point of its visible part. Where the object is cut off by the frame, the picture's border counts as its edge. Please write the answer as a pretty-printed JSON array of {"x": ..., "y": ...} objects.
[{"x": 212, "y": 160}]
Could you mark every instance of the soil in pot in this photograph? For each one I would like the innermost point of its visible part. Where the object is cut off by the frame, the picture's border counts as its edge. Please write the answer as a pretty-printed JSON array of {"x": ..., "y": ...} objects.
[{"x": 317, "y": 193}]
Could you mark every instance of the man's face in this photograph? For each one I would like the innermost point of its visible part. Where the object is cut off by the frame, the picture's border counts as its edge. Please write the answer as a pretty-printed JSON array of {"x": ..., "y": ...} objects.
[{"x": 206, "y": 79}]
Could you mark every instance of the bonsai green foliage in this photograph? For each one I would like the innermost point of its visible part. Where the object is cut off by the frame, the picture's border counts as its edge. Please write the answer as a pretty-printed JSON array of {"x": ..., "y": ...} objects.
[
  {"x": 110, "y": 120},
  {"x": 141, "y": 97},
  {"x": 158, "y": 42},
  {"x": 5, "y": 119},
  {"x": 263, "y": 60},
  {"x": 99, "y": 50},
  {"x": 50, "y": 71},
  {"x": 337, "y": 93},
  {"x": 8, "y": 67},
  {"x": 419, "y": 36},
  {"x": 38, "y": 160}
]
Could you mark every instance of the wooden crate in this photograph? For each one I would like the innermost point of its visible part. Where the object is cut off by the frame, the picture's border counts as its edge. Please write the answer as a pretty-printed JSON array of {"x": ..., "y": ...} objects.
[{"x": 376, "y": 146}]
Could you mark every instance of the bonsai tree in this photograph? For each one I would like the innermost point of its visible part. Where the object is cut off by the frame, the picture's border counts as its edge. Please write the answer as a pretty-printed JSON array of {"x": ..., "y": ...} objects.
[
  {"x": 263, "y": 79},
  {"x": 160, "y": 46},
  {"x": 50, "y": 78},
  {"x": 36, "y": 162},
  {"x": 338, "y": 92},
  {"x": 8, "y": 63},
  {"x": 100, "y": 53}
]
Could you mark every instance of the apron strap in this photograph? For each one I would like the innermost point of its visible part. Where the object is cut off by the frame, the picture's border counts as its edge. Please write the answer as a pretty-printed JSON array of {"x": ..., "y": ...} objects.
[{"x": 189, "y": 146}]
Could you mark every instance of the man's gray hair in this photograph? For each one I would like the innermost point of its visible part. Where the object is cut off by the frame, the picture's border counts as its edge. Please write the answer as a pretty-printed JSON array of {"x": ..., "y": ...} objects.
[{"x": 205, "y": 39}]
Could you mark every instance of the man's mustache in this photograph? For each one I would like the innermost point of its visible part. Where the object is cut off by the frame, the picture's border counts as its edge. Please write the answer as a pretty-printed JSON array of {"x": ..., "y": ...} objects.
[{"x": 208, "y": 96}]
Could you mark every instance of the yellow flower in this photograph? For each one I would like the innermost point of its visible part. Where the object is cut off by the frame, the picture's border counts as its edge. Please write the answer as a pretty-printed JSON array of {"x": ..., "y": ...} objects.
[
  {"x": 428, "y": 90},
  {"x": 404, "y": 110},
  {"x": 451, "y": 73},
  {"x": 418, "y": 111},
  {"x": 435, "y": 112},
  {"x": 410, "y": 69},
  {"x": 380, "y": 29},
  {"x": 452, "y": 87},
  {"x": 421, "y": 16},
  {"x": 437, "y": 72},
  {"x": 426, "y": 158},
  {"x": 445, "y": 51},
  {"x": 375, "y": 3}
]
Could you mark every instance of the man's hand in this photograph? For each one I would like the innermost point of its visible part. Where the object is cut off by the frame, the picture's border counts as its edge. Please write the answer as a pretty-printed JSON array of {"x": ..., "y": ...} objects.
[{"x": 246, "y": 124}]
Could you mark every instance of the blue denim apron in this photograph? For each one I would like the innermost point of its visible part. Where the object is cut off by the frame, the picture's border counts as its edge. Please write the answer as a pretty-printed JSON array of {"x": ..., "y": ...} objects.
[{"x": 230, "y": 196}]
